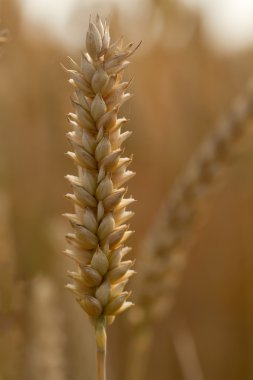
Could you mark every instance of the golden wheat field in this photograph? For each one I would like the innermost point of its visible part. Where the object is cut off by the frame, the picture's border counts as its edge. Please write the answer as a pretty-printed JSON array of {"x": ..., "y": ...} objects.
[{"x": 185, "y": 142}]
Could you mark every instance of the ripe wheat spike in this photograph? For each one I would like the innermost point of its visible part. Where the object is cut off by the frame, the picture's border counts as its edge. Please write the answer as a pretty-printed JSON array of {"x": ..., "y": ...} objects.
[{"x": 100, "y": 217}]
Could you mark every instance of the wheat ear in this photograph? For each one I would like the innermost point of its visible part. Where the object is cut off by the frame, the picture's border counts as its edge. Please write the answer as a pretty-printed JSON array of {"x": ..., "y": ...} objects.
[
  {"x": 100, "y": 217},
  {"x": 161, "y": 271}
]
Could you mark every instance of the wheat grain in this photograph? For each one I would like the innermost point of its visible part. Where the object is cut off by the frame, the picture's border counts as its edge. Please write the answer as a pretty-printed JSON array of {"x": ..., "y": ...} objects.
[{"x": 100, "y": 217}]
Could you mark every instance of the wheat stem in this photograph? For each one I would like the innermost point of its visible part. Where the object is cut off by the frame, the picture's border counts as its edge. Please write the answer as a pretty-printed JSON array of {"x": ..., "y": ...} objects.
[
  {"x": 101, "y": 342},
  {"x": 186, "y": 350},
  {"x": 101, "y": 364}
]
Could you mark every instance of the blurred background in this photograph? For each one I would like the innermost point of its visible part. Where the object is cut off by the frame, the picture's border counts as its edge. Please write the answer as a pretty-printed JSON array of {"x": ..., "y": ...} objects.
[{"x": 196, "y": 56}]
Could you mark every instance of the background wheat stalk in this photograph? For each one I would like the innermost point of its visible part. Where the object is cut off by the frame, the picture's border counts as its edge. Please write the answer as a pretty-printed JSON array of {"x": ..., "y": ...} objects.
[
  {"x": 100, "y": 217},
  {"x": 161, "y": 271}
]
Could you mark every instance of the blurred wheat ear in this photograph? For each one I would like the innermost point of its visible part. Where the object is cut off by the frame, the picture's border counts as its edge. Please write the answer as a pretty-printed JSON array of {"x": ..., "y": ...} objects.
[
  {"x": 161, "y": 271},
  {"x": 99, "y": 221}
]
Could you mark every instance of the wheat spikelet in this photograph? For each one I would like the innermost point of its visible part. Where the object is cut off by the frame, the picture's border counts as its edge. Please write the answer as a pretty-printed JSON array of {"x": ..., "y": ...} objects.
[
  {"x": 164, "y": 259},
  {"x": 100, "y": 217}
]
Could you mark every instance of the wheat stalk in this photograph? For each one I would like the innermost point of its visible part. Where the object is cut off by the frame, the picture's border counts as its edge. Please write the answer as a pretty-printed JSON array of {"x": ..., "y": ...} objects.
[
  {"x": 161, "y": 271},
  {"x": 186, "y": 350},
  {"x": 100, "y": 217}
]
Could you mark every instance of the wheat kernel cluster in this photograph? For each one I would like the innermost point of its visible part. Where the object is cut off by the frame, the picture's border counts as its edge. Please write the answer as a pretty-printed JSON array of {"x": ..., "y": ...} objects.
[{"x": 99, "y": 196}]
